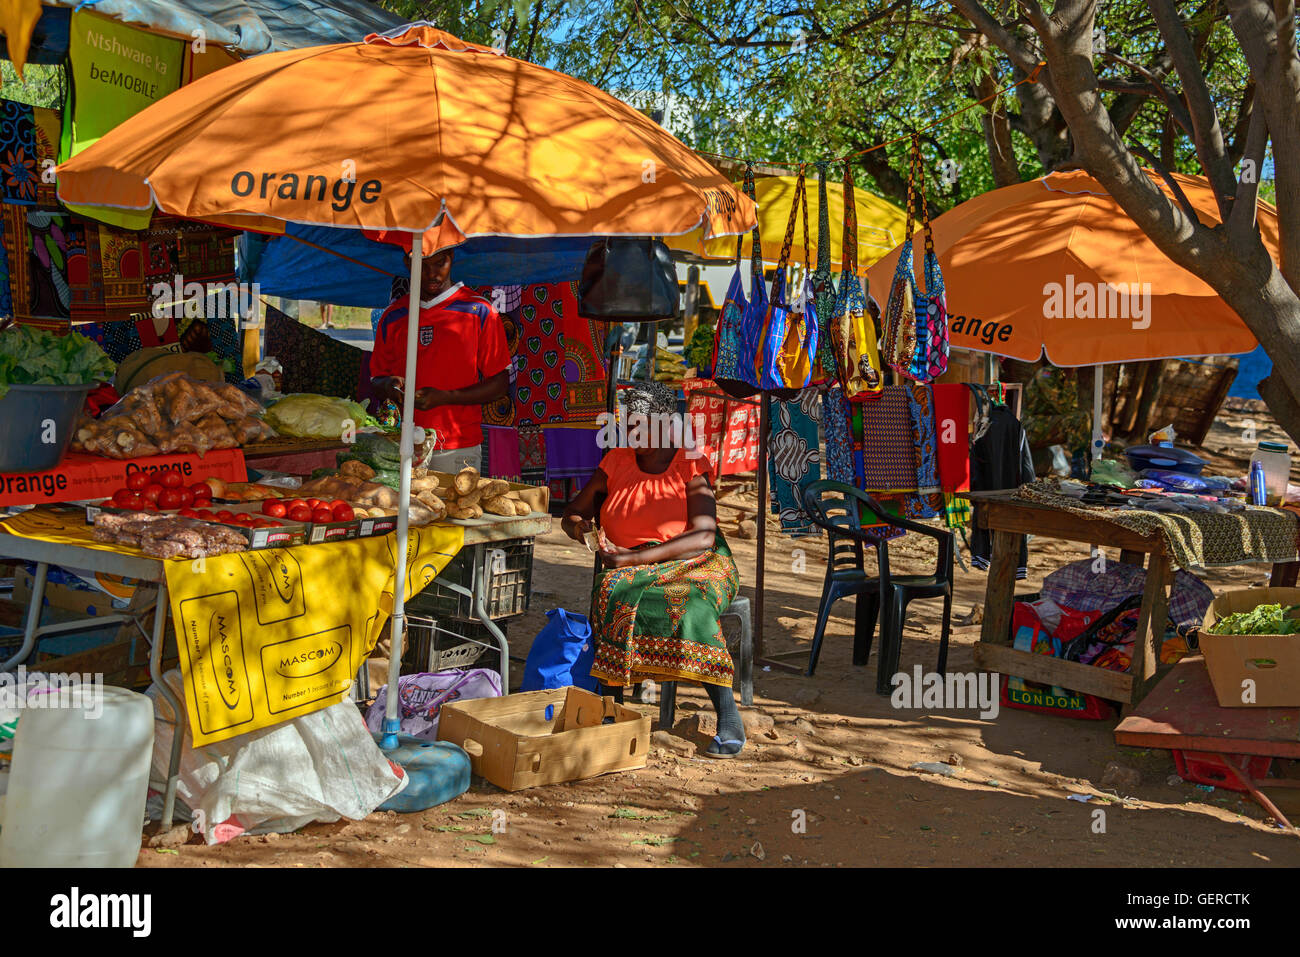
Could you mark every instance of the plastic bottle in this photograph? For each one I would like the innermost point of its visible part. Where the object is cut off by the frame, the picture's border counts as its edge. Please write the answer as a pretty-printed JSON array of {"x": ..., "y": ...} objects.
[
  {"x": 1256, "y": 484},
  {"x": 1276, "y": 460},
  {"x": 79, "y": 777}
]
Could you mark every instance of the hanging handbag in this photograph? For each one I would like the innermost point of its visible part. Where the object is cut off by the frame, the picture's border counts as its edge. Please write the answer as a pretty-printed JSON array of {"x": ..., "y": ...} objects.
[
  {"x": 825, "y": 369},
  {"x": 736, "y": 338},
  {"x": 858, "y": 358},
  {"x": 629, "y": 279},
  {"x": 916, "y": 320},
  {"x": 789, "y": 338}
]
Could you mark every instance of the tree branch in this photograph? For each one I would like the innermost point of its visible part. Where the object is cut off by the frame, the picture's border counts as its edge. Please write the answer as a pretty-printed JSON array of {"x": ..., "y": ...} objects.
[{"x": 1205, "y": 130}]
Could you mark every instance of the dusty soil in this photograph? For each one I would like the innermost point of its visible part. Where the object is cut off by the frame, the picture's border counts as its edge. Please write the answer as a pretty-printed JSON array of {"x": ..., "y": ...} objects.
[{"x": 829, "y": 782}]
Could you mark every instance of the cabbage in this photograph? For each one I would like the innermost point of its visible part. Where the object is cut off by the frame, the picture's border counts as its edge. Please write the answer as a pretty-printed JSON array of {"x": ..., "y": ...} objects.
[{"x": 307, "y": 416}]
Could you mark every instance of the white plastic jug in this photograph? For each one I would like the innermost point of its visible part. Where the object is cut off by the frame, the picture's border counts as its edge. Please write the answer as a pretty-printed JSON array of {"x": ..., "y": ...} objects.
[
  {"x": 78, "y": 781},
  {"x": 1276, "y": 459}
]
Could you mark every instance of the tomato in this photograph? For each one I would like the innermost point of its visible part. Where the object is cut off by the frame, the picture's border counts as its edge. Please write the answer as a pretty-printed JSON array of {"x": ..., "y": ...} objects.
[
  {"x": 297, "y": 503},
  {"x": 137, "y": 480},
  {"x": 261, "y": 523},
  {"x": 151, "y": 492},
  {"x": 148, "y": 506},
  {"x": 225, "y": 515},
  {"x": 201, "y": 490},
  {"x": 170, "y": 498},
  {"x": 322, "y": 515},
  {"x": 187, "y": 497},
  {"x": 243, "y": 518},
  {"x": 300, "y": 513},
  {"x": 275, "y": 524},
  {"x": 189, "y": 513},
  {"x": 122, "y": 496},
  {"x": 337, "y": 503},
  {"x": 171, "y": 479},
  {"x": 343, "y": 512},
  {"x": 314, "y": 503},
  {"x": 274, "y": 508}
]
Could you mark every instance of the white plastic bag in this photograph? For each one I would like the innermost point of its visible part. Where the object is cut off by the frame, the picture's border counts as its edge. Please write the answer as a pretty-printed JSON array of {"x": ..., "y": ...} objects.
[{"x": 318, "y": 767}]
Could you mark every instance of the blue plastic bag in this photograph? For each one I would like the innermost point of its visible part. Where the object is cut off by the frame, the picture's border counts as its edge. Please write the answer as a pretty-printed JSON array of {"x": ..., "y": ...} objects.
[{"x": 561, "y": 655}]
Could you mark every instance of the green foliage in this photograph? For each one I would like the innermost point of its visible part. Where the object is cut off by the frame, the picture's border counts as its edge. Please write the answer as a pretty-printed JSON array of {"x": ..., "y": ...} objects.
[
  {"x": 31, "y": 356},
  {"x": 1261, "y": 620}
]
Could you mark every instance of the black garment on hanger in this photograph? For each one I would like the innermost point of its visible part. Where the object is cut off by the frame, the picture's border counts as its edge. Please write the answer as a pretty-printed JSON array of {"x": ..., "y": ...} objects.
[{"x": 999, "y": 459}]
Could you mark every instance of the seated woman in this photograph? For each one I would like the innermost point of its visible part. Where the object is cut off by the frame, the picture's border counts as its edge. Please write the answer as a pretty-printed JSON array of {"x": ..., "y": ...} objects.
[{"x": 667, "y": 575}]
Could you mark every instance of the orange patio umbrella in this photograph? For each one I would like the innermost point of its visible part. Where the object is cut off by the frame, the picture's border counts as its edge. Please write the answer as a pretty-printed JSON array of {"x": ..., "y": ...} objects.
[
  {"x": 1055, "y": 268},
  {"x": 415, "y": 132},
  {"x": 406, "y": 131}
]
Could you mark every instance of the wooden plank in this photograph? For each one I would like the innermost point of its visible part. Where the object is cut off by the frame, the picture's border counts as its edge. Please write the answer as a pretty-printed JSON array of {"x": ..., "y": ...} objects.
[
  {"x": 1284, "y": 575},
  {"x": 1000, "y": 595},
  {"x": 1129, "y": 557},
  {"x": 1114, "y": 685},
  {"x": 1151, "y": 620},
  {"x": 1028, "y": 519}
]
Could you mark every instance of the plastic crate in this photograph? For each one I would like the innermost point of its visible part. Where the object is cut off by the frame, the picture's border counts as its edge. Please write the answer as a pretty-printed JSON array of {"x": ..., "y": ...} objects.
[
  {"x": 439, "y": 645},
  {"x": 508, "y": 588},
  {"x": 1200, "y": 768}
]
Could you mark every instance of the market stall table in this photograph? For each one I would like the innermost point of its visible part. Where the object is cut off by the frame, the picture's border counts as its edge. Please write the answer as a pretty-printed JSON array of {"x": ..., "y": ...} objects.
[
  {"x": 1010, "y": 518},
  {"x": 1182, "y": 713},
  {"x": 480, "y": 534}
]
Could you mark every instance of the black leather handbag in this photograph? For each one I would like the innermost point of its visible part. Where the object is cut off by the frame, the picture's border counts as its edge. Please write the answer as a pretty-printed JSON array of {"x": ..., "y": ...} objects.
[{"x": 628, "y": 280}]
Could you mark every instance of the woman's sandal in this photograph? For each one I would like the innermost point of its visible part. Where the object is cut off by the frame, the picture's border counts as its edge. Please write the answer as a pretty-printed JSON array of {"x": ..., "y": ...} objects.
[{"x": 720, "y": 744}]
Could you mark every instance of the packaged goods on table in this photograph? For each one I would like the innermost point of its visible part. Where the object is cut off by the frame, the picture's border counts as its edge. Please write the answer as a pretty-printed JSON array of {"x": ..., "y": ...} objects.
[
  {"x": 160, "y": 536},
  {"x": 307, "y": 416},
  {"x": 173, "y": 413}
]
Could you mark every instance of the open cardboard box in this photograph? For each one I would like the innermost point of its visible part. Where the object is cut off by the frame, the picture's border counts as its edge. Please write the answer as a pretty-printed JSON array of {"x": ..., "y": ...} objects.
[
  {"x": 1272, "y": 662},
  {"x": 546, "y": 737}
]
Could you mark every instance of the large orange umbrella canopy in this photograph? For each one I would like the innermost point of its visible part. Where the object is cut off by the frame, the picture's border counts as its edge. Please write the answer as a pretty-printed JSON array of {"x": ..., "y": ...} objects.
[
  {"x": 406, "y": 132},
  {"x": 1055, "y": 267}
]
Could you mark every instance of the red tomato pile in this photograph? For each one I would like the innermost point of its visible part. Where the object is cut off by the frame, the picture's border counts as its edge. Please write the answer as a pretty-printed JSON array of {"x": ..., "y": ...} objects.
[
  {"x": 310, "y": 510},
  {"x": 160, "y": 491}
]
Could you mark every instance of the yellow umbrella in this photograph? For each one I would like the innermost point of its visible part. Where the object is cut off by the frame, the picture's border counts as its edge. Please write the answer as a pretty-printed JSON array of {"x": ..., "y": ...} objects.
[{"x": 881, "y": 225}]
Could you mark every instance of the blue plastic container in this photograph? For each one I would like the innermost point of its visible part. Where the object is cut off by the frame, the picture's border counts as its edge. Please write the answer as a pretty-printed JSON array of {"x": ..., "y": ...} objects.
[
  {"x": 29, "y": 414},
  {"x": 1142, "y": 457},
  {"x": 439, "y": 771}
]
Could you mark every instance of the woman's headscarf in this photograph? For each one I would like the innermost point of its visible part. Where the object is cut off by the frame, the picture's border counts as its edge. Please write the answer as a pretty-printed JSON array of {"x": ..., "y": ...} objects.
[{"x": 650, "y": 398}]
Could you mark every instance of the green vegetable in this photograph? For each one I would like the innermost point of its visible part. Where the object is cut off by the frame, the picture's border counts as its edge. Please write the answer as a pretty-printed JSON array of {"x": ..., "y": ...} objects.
[
  {"x": 39, "y": 357},
  {"x": 390, "y": 477},
  {"x": 1261, "y": 620},
  {"x": 307, "y": 416},
  {"x": 699, "y": 351}
]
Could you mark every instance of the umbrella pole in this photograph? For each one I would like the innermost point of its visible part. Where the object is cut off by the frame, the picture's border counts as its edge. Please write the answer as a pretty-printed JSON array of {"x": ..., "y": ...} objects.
[
  {"x": 1097, "y": 442},
  {"x": 392, "y": 724}
]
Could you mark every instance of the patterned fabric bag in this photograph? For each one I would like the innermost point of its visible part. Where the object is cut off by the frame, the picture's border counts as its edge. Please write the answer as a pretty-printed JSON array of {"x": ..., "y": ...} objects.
[
  {"x": 738, "y": 333},
  {"x": 789, "y": 339},
  {"x": 825, "y": 367},
  {"x": 857, "y": 355},
  {"x": 916, "y": 320}
]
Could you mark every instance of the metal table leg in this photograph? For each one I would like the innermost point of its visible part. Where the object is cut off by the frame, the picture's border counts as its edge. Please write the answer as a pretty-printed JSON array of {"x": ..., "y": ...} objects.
[
  {"x": 33, "y": 622},
  {"x": 481, "y": 580},
  {"x": 178, "y": 725}
]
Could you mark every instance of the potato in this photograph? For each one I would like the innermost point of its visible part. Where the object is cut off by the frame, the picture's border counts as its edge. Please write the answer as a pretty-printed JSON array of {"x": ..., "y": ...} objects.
[
  {"x": 499, "y": 506},
  {"x": 455, "y": 511},
  {"x": 536, "y": 497},
  {"x": 424, "y": 484},
  {"x": 468, "y": 499},
  {"x": 492, "y": 488},
  {"x": 431, "y": 501},
  {"x": 521, "y": 508},
  {"x": 466, "y": 480},
  {"x": 355, "y": 467}
]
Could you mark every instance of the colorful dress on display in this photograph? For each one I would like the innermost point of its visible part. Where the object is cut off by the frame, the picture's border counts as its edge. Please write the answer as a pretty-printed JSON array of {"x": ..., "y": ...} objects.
[{"x": 659, "y": 620}]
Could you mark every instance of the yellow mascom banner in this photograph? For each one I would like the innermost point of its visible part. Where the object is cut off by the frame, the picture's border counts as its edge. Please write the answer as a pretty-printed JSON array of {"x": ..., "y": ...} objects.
[{"x": 272, "y": 634}]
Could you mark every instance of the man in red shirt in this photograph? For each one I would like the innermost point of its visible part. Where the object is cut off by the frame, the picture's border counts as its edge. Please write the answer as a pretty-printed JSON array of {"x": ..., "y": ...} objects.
[{"x": 462, "y": 363}]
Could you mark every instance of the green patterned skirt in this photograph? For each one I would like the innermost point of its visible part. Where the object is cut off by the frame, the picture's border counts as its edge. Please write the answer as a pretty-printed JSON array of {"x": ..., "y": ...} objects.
[{"x": 661, "y": 621}]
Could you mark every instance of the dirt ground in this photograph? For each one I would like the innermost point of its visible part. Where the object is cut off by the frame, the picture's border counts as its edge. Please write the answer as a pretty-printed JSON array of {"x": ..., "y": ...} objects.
[{"x": 827, "y": 778}]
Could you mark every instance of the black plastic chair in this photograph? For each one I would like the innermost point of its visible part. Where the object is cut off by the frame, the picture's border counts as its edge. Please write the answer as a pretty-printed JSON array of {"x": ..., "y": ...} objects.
[{"x": 838, "y": 509}]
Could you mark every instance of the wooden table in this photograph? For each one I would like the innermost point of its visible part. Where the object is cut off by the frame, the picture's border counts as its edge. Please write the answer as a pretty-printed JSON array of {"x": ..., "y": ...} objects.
[
  {"x": 1182, "y": 713},
  {"x": 1010, "y": 519}
]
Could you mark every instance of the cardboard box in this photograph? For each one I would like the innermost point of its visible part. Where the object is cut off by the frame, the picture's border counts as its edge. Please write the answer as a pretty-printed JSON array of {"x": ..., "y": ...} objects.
[
  {"x": 546, "y": 737},
  {"x": 1272, "y": 662}
]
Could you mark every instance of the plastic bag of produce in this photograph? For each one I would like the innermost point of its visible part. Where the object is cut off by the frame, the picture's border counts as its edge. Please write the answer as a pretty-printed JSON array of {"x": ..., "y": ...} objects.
[{"x": 308, "y": 416}]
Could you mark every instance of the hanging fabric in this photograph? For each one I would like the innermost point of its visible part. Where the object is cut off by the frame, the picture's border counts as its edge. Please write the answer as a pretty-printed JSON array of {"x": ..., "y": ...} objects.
[
  {"x": 789, "y": 339},
  {"x": 916, "y": 320},
  {"x": 793, "y": 460},
  {"x": 736, "y": 338},
  {"x": 825, "y": 369},
  {"x": 858, "y": 357}
]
